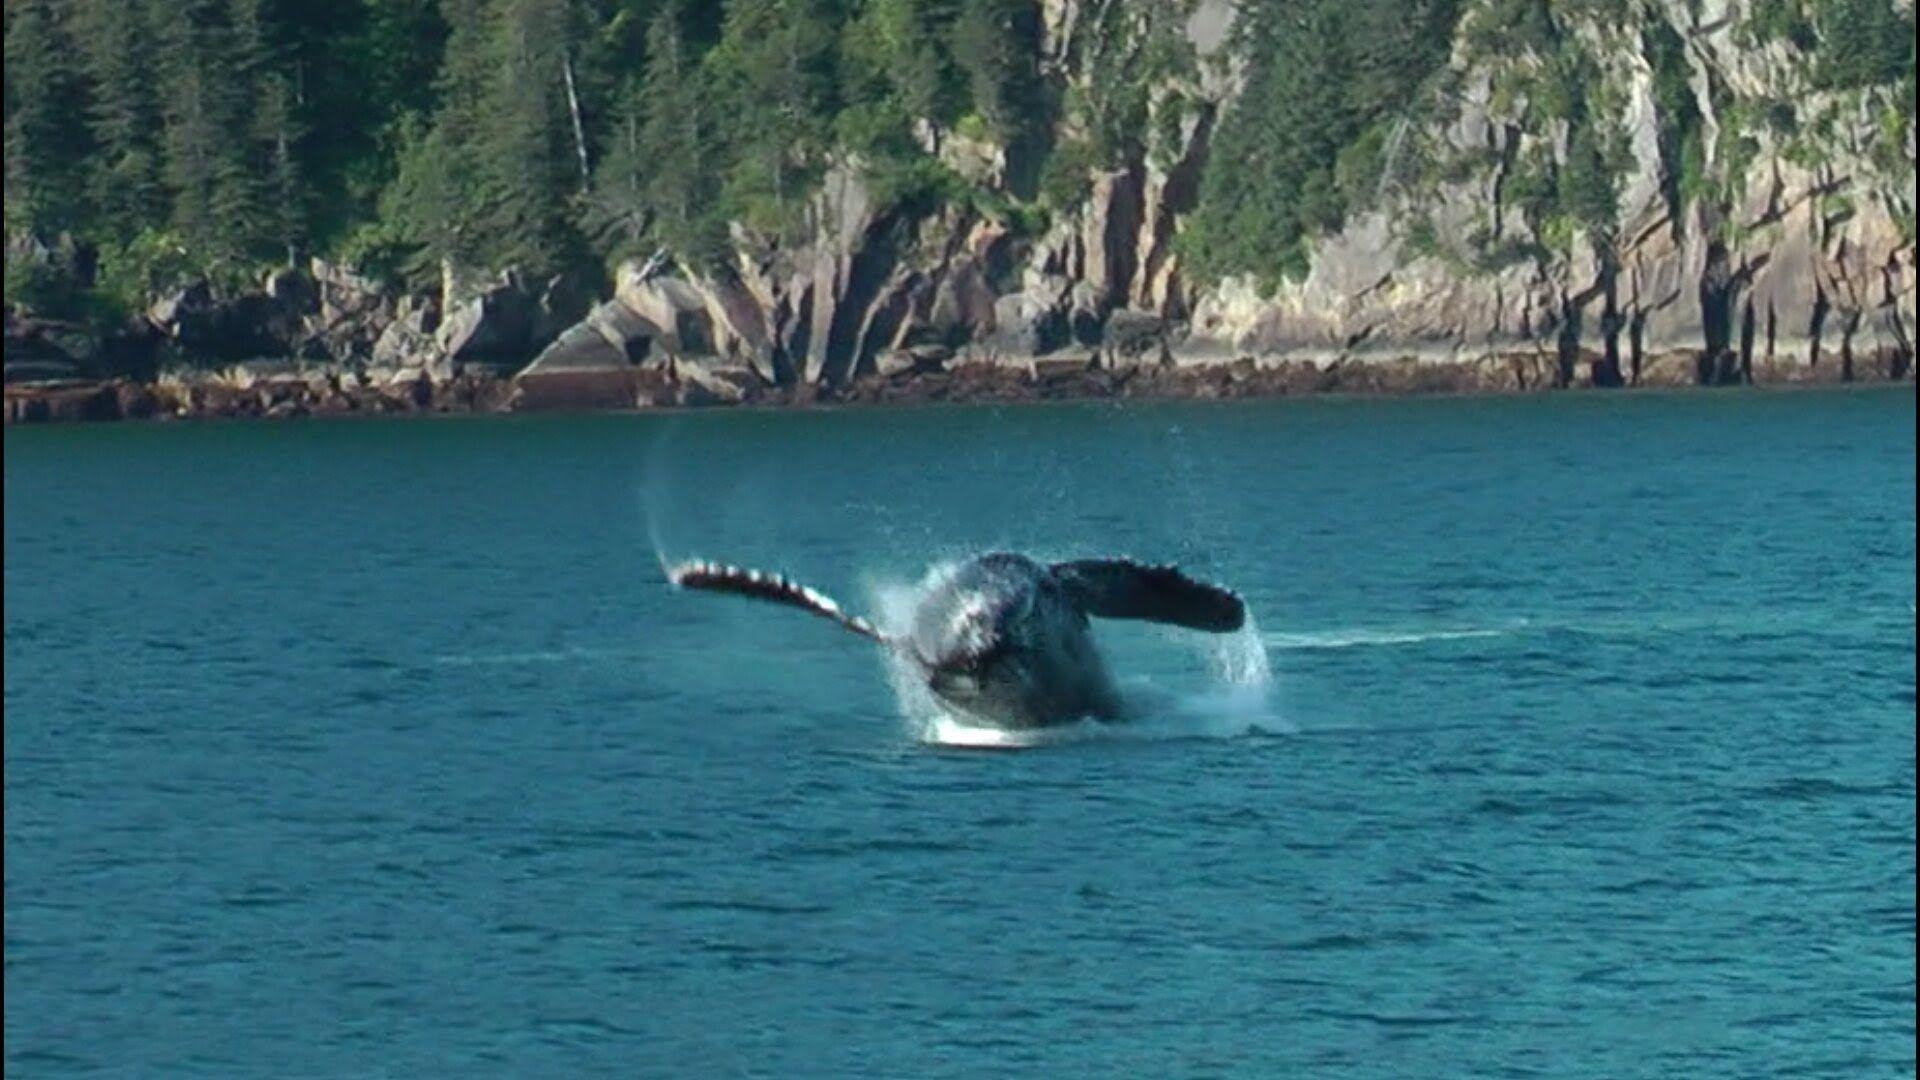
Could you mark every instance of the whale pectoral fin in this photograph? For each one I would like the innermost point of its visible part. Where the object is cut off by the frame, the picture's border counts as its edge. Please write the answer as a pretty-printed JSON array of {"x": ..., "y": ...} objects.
[
  {"x": 1124, "y": 589},
  {"x": 718, "y": 577}
]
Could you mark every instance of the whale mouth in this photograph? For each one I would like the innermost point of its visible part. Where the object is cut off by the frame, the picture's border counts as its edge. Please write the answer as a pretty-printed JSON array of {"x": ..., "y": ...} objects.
[{"x": 954, "y": 684}]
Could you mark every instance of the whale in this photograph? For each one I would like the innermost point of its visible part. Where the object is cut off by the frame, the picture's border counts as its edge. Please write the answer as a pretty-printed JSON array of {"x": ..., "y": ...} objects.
[{"x": 1004, "y": 639}]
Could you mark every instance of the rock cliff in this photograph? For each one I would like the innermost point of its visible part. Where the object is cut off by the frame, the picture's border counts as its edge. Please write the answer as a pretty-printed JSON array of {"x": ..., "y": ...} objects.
[
  {"x": 1780, "y": 249},
  {"x": 1757, "y": 226}
]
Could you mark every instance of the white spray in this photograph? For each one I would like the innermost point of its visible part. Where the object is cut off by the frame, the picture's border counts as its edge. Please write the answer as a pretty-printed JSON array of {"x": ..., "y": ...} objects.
[{"x": 1236, "y": 700}]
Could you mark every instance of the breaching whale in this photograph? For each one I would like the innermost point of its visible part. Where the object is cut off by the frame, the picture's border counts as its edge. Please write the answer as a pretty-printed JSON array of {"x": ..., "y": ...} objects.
[{"x": 1005, "y": 639}]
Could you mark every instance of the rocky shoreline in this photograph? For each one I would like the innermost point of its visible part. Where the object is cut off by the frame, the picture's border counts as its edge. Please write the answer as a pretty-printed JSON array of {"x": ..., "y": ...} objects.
[
  {"x": 345, "y": 345},
  {"x": 1778, "y": 251},
  {"x": 290, "y": 389}
]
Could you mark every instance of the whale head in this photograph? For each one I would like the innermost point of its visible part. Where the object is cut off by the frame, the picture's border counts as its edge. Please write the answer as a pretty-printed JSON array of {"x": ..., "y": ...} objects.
[{"x": 974, "y": 633}]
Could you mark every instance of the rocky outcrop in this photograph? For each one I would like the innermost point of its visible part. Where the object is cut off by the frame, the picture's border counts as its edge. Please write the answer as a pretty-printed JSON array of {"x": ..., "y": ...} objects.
[
  {"x": 1782, "y": 250},
  {"x": 1789, "y": 257}
]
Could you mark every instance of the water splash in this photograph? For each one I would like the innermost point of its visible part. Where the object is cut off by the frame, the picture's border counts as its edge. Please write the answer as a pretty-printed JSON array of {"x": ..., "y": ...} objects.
[
  {"x": 1234, "y": 700},
  {"x": 656, "y": 490},
  {"x": 1240, "y": 659}
]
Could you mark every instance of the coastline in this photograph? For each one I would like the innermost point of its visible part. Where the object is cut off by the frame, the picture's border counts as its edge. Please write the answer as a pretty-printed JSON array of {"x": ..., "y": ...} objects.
[{"x": 284, "y": 390}]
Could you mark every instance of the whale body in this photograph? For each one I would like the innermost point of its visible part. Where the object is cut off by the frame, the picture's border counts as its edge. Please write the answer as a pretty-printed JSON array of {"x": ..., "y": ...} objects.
[{"x": 1004, "y": 639}]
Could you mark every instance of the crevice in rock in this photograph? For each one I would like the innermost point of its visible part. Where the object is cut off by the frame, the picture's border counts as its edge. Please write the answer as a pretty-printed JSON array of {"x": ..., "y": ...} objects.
[
  {"x": 1896, "y": 324},
  {"x": 1716, "y": 317},
  {"x": 791, "y": 355},
  {"x": 883, "y": 324},
  {"x": 1816, "y": 327},
  {"x": 1847, "y": 330},
  {"x": 1567, "y": 344},
  {"x": 1606, "y": 370},
  {"x": 1637, "y": 344},
  {"x": 1746, "y": 342}
]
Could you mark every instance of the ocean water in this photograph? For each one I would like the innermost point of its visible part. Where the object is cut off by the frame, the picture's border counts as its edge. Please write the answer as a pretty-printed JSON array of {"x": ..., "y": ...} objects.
[{"x": 1575, "y": 738}]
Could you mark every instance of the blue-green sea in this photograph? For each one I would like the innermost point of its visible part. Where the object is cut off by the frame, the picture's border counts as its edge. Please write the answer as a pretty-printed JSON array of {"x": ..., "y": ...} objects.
[{"x": 1574, "y": 737}]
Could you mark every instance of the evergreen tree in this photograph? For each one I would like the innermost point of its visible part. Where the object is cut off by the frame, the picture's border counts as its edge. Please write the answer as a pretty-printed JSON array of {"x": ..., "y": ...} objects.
[
  {"x": 1284, "y": 136},
  {"x": 276, "y": 218},
  {"x": 896, "y": 73},
  {"x": 46, "y": 149},
  {"x": 525, "y": 136},
  {"x": 1321, "y": 73},
  {"x": 775, "y": 63},
  {"x": 124, "y": 186},
  {"x": 657, "y": 179},
  {"x": 214, "y": 205},
  {"x": 435, "y": 203},
  {"x": 1864, "y": 43},
  {"x": 996, "y": 43}
]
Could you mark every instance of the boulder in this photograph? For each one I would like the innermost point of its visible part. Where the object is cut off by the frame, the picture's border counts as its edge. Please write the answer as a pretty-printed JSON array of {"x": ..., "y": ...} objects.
[
  {"x": 181, "y": 306},
  {"x": 914, "y": 360},
  {"x": 676, "y": 306},
  {"x": 611, "y": 336},
  {"x": 496, "y": 326},
  {"x": 563, "y": 302},
  {"x": 1025, "y": 326},
  {"x": 38, "y": 349},
  {"x": 344, "y": 294},
  {"x": 1133, "y": 338},
  {"x": 41, "y": 370},
  {"x": 700, "y": 384},
  {"x": 53, "y": 404},
  {"x": 292, "y": 288},
  {"x": 409, "y": 338}
]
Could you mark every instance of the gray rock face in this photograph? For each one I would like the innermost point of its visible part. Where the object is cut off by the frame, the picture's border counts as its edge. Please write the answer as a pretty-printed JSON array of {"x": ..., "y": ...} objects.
[
  {"x": 1773, "y": 268},
  {"x": 496, "y": 326},
  {"x": 1026, "y": 325},
  {"x": 409, "y": 338},
  {"x": 200, "y": 324},
  {"x": 1134, "y": 339},
  {"x": 1791, "y": 256},
  {"x": 679, "y": 311},
  {"x": 612, "y": 336}
]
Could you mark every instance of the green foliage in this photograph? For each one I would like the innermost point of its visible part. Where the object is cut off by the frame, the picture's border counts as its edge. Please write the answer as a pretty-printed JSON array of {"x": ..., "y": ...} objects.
[
  {"x": 895, "y": 69},
  {"x": 655, "y": 180},
  {"x": 1682, "y": 156},
  {"x": 996, "y": 48},
  {"x": 1132, "y": 51},
  {"x": 46, "y": 151},
  {"x": 773, "y": 72},
  {"x": 1068, "y": 175},
  {"x": 1780, "y": 20},
  {"x": 210, "y": 138},
  {"x": 1865, "y": 43},
  {"x": 1322, "y": 75},
  {"x": 134, "y": 270}
]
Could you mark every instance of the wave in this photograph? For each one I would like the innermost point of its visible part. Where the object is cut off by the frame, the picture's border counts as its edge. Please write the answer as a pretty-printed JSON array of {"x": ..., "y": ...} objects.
[
  {"x": 1155, "y": 714},
  {"x": 537, "y": 656},
  {"x": 1360, "y": 637}
]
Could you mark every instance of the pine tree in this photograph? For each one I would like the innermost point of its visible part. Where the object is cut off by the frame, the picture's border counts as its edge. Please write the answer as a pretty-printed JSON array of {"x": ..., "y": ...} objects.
[
  {"x": 996, "y": 43},
  {"x": 775, "y": 61},
  {"x": 276, "y": 219},
  {"x": 1864, "y": 43},
  {"x": 436, "y": 200},
  {"x": 524, "y": 137},
  {"x": 896, "y": 71},
  {"x": 214, "y": 203},
  {"x": 1283, "y": 137},
  {"x": 123, "y": 118},
  {"x": 658, "y": 176},
  {"x": 46, "y": 150}
]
